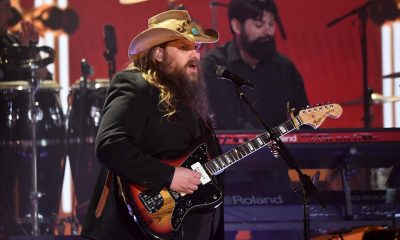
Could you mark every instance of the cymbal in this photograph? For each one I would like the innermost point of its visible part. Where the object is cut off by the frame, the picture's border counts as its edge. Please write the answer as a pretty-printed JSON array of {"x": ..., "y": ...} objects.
[
  {"x": 376, "y": 98},
  {"x": 131, "y": 1},
  {"x": 379, "y": 98},
  {"x": 392, "y": 75}
]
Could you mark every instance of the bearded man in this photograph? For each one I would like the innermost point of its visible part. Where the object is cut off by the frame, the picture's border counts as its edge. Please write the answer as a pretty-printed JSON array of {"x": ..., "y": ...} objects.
[
  {"x": 252, "y": 55},
  {"x": 154, "y": 110},
  {"x": 26, "y": 36}
]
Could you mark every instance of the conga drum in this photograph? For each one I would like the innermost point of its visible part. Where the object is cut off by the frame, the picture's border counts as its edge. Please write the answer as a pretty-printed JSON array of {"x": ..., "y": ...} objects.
[
  {"x": 84, "y": 115},
  {"x": 16, "y": 155}
]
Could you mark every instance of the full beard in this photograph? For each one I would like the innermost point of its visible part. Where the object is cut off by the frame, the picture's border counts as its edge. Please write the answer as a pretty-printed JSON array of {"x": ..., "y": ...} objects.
[
  {"x": 188, "y": 89},
  {"x": 261, "y": 48}
]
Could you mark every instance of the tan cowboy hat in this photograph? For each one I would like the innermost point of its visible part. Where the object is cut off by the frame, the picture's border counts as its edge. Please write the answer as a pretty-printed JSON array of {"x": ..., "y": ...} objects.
[{"x": 168, "y": 26}]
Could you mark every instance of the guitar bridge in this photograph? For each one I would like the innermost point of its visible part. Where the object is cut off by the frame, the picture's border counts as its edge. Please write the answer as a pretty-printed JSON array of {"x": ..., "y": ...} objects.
[{"x": 151, "y": 201}]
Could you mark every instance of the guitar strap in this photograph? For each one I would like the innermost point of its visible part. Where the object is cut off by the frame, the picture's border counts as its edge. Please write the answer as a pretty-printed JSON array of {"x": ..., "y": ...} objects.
[{"x": 104, "y": 195}]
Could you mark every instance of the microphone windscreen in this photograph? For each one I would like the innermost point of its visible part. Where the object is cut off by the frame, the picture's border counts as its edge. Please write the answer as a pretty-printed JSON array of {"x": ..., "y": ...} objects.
[{"x": 110, "y": 38}]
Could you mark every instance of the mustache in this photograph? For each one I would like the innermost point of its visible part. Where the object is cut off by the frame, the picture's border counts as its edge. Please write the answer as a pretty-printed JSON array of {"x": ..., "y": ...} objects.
[
  {"x": 192, "y": 61},
  {"x": 265, "y": 39}
]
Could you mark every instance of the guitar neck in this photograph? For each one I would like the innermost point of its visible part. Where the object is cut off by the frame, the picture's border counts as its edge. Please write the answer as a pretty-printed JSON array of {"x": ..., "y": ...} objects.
[{"x": 219, "y": 164}]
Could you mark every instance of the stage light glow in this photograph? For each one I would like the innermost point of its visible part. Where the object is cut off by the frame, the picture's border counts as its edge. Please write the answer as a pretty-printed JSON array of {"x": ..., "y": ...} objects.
[
  {"x": 66, "y": 199},
  {"x": 396, "y": 65},
  {"x": 63, "y": 63},
  {"x": 386, "y": 69},
  {"x": 390, "y": 34},
  {"x": 131, "y": 1}
]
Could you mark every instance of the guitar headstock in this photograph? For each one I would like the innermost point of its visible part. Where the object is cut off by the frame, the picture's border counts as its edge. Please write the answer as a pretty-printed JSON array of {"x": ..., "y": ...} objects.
[{"x": 315, "y": 116}]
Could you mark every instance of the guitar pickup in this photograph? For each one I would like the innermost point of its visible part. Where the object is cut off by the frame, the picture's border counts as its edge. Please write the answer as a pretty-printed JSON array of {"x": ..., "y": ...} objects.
[{"x": 204, "y": 179}]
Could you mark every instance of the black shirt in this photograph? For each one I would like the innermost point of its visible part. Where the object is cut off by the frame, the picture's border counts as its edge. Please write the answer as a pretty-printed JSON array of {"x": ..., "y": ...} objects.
[{"x": 277, "y": 82}]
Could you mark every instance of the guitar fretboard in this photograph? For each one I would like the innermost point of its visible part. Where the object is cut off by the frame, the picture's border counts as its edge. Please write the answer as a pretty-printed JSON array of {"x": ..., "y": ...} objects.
[{"x": 219, "y": 164}]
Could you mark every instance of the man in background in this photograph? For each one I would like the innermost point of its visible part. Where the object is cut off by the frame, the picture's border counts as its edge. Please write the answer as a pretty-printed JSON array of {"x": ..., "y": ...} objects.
[
  {"x": 28, "y": 35},
  {"x": 252, "y": 55}
]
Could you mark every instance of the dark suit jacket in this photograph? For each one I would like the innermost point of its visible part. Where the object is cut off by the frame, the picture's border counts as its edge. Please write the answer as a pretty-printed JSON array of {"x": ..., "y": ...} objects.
[{"x": 132, "y": 137}]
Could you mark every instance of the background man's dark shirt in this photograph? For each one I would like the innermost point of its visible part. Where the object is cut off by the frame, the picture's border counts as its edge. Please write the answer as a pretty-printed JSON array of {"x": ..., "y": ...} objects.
[{"x": 276, "y": 79}]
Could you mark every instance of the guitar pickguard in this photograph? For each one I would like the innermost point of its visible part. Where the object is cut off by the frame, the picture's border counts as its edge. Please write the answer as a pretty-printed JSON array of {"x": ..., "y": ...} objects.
[{"x": 208, "y": 195}]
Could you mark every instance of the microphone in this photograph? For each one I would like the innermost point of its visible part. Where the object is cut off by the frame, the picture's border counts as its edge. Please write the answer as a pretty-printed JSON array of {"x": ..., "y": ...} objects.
[
  {"x": 86, "y": 69},
  {"x": 223, "y": 72},
  {"x": 110, "y": 39}
]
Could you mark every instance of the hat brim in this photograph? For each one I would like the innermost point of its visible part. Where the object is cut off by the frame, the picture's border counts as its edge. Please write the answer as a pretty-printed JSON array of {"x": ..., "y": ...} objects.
[{"x": 149, "y": 38}]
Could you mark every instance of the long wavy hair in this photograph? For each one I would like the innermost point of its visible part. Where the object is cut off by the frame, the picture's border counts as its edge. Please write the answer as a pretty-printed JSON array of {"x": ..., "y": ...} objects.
[
  {"x": 147, "y": 65},
  {"x": 169, "y": 91}
]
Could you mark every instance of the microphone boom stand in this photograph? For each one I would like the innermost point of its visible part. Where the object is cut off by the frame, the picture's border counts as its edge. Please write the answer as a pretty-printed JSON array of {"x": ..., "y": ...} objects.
[
  {"x": 308, "y": 188},
  {"x": 363, "y": 16},
  {"x": 109, "y": 55}
]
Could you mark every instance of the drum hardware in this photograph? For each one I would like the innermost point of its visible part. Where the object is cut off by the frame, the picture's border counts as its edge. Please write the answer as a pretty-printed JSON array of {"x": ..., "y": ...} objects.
[
  {"x": 56, "y": 116},
  {"x": 374, "y": 97},
  {"x": 16, "y": 61},
  {"x": 131, "y": 1},
  {"x": 34, "y": 194},
  {"x": 95, "y": 113},
  {"x": 12, "y": 115},
  {"x": 379, "y": 98},
  {"x": 86, "y": 70},
  {"x": 72, "y": 221},
  {"x": 393, "y": 75},
  {"x": 15, "y": 151},
  {"x": 84, "y": 114},
  {"x": 24, "y": 57},
  {"x": 362, "y": 13},
  {"x": 27, "y": 220}
]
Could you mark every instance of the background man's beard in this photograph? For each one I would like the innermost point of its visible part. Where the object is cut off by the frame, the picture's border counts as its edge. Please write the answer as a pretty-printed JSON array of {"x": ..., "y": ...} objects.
[
  {"x": 261, "y": 48},
  {"x": 188, "y": 89}
]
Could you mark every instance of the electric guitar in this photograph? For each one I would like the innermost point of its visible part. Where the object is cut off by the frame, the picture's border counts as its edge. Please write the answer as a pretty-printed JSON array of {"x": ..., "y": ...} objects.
[{"x": 161, "y": 214}]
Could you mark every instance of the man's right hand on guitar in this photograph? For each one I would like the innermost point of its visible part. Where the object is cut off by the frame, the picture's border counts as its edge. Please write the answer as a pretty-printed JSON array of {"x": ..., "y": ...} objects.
[{"x": 185, "y": 180}]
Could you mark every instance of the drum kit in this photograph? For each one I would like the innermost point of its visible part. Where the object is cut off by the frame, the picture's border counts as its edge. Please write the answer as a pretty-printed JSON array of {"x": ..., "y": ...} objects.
[
  {"x": 36, "y": 137},
  {"x": 374, "y": 97}
]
